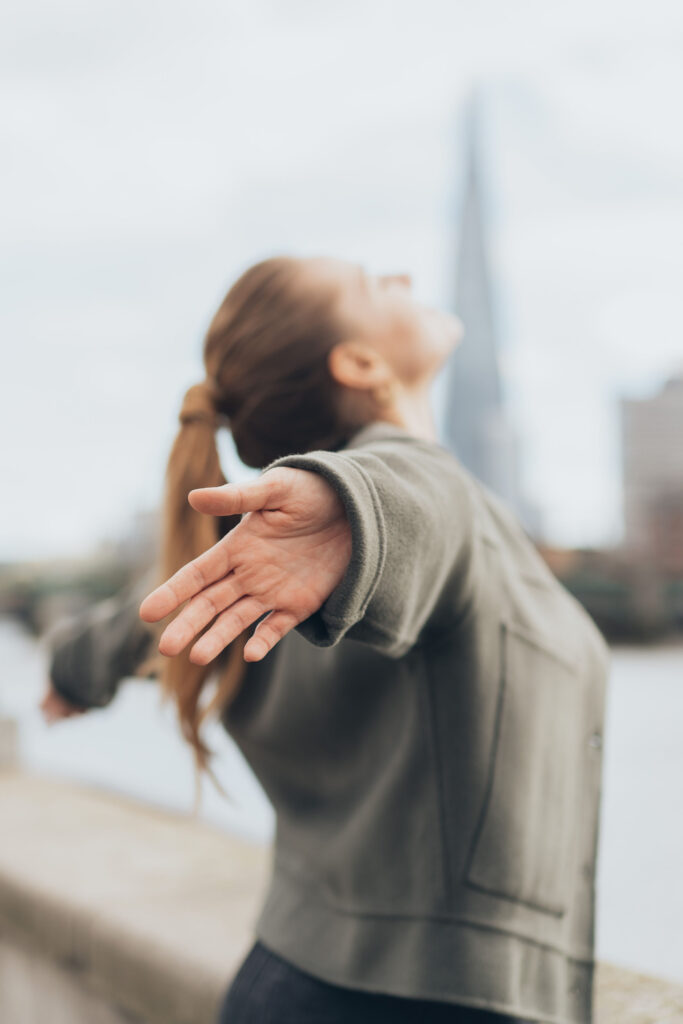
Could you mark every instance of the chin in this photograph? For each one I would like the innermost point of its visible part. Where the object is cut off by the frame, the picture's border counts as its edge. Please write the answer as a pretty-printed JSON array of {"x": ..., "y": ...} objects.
[
  {"x": 454, "y": 328},
  {"x": 447, "y": 328},
  {"x": 447, "y": 335}
]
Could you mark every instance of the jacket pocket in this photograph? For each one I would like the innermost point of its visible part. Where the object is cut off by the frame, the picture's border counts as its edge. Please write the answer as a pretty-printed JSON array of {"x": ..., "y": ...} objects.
[{"x": 522, "y": 844}]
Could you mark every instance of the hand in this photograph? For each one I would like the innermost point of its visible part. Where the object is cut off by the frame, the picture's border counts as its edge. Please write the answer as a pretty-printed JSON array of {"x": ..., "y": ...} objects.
[
  {"x": 55, "y": 707},
  {"x": 286, "y": 556}
]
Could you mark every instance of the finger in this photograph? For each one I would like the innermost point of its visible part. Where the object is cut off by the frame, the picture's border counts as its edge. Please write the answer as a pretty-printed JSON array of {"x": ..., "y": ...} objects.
[
  {"x": 189, "y": 580},
  {"x": 201, "y": 610},
  {"x": 267, "y": 633},
  {"x": 266, "y": 491},
  {"x": 224, "y": 630}
]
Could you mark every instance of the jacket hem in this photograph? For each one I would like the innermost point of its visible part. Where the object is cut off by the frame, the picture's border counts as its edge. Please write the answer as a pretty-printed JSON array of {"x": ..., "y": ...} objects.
[{"x": 424, "y": 958}]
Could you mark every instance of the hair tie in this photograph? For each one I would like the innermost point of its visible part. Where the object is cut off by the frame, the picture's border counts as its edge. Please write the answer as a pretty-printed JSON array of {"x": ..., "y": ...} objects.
[{"x": 199, "y": 405}]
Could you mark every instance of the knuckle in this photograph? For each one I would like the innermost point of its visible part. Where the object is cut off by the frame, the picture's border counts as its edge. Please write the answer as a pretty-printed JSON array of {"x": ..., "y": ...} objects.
[
  {"x": 239, "y": 617},
  {"x": 267, "y": 633},
  {"x": 207, "y": 607},
  {"x": 241, "y": 496},
  {"x": 238, "y": 620},
  {"x": 232, "y": 619},
  {"x": 196, "y": 575}
]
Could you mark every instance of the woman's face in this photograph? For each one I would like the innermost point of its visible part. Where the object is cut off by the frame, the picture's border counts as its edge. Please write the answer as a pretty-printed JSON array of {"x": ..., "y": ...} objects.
[{"x": 380, "y": 311}]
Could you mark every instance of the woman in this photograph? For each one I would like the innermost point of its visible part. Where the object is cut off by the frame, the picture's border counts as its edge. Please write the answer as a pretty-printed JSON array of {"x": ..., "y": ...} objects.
[{"x": 420, "y": 698}]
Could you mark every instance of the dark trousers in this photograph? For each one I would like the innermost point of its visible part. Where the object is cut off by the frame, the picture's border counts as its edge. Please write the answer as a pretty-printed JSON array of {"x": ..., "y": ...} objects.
[{"x": 269, "y": 990}]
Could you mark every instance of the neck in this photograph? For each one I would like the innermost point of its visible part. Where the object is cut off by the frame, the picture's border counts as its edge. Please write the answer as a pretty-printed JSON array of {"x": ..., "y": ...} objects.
[{"x": 413, "y": 410}]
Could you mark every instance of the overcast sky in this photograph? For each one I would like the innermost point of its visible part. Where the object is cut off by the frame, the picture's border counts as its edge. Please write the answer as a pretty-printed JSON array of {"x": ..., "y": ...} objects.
[{"x": 152, "y": 151}]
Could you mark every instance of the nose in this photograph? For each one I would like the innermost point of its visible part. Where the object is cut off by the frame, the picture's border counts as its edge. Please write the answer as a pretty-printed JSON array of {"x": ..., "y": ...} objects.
[{"x": 404, "y": 279}]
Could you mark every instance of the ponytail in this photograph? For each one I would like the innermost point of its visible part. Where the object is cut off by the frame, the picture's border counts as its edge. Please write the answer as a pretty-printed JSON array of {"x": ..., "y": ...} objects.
[{"x": 186, "y": 533}]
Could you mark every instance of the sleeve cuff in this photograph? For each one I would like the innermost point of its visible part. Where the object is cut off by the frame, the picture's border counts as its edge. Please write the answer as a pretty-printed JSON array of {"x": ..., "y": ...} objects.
[{"x": 347, "y": 603}]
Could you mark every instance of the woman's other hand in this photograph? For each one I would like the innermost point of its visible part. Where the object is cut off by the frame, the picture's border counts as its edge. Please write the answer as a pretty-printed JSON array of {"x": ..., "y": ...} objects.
[
  {"x": 55, "y": 707},
  {"x": 286, "y": 556}
]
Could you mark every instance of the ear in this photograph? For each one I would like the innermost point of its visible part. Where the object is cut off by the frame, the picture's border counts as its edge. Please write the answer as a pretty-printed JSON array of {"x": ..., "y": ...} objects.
[{"x": 356, "y": 364}]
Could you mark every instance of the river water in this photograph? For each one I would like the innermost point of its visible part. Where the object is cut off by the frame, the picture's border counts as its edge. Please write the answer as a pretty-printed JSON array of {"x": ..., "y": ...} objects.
[{"x": 134, "y": 747}]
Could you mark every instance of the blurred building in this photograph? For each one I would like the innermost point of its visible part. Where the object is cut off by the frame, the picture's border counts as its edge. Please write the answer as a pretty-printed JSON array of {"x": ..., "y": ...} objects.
[
  {"x": 477, "y": 427},
  {"x": 652, "y": 467}
]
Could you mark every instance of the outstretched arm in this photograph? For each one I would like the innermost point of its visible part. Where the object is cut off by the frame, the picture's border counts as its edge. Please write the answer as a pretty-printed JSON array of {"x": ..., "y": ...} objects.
[
  {"x": 370, "y": 542},
  {"x": 91, "y": 653}
]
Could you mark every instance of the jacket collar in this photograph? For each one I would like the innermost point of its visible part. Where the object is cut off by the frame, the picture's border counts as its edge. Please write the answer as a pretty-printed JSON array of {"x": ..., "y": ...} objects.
[{"x": 376, "y": 429}]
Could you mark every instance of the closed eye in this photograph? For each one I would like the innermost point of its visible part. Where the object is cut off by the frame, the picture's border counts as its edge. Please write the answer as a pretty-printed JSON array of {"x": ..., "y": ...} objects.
[{"x": 390, "y": 280}]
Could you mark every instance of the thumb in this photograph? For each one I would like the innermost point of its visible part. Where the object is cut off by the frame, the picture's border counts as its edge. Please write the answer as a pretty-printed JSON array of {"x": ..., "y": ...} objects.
[{"x": 266, "y": 491}]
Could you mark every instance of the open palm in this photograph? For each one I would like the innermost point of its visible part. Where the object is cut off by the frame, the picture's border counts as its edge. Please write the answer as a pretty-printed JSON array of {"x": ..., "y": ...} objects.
[{"x": 285, "y": 557}]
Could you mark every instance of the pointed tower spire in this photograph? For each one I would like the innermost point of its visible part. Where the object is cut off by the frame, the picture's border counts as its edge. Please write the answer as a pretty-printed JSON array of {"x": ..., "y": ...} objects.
[{"x": 475, "y": 423}]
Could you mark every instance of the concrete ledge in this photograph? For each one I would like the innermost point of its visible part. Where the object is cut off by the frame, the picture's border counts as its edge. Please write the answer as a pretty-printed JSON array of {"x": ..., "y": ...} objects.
[
  {"x": 9, "y": 743},
  {"x": 151, "y": 910},
  {"x": 628, "y": 997},
  {"x": 126, "y": 912}
]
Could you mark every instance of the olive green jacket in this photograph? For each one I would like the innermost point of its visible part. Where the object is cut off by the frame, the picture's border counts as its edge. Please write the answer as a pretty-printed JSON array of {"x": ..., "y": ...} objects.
[{"x": 430, "y": 740}]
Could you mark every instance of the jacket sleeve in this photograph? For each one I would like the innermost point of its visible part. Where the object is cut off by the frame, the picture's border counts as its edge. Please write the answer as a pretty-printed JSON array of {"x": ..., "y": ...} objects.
[
  {"x": 410, "y": 513},
  {"x": 91, "y": 653}
]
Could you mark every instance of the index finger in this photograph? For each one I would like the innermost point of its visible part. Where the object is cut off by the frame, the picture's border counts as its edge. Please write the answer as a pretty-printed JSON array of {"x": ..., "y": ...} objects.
[{"x": 189, "y": 580}]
